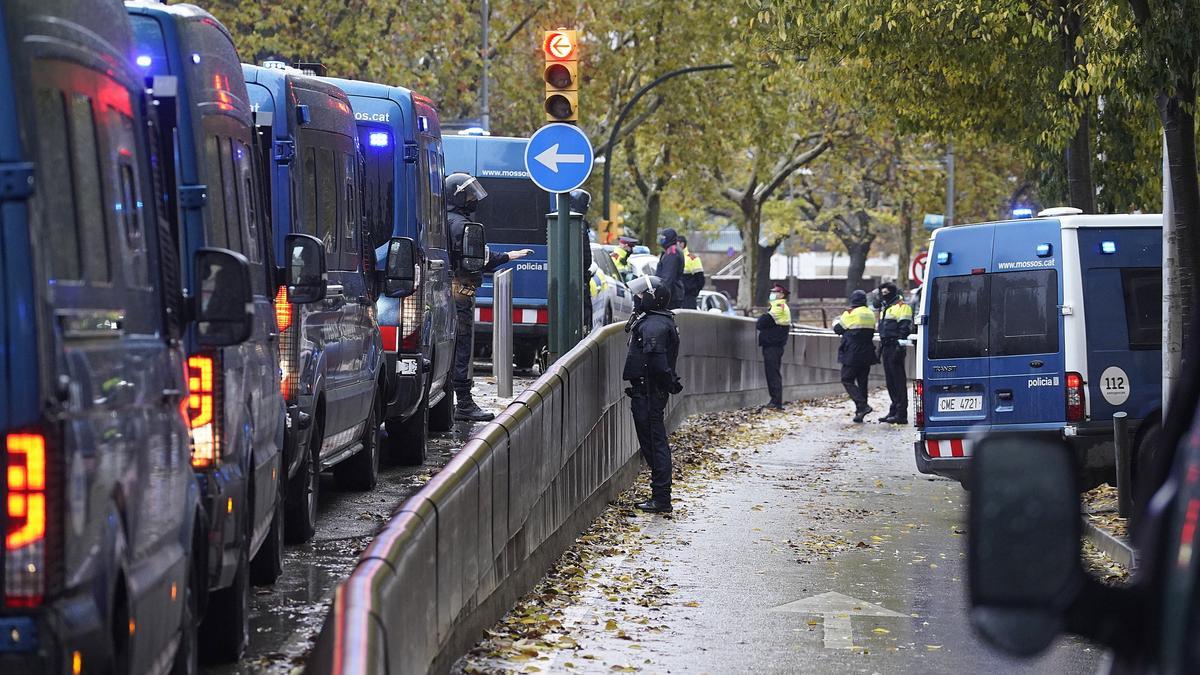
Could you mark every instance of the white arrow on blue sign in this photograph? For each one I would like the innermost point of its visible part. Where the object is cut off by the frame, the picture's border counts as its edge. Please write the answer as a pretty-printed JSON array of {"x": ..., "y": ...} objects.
[{"x": 559, "y": 157}]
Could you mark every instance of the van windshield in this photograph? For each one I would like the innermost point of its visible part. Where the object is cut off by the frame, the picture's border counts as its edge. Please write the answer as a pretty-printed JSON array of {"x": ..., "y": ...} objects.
[
  {"x": 514, "y": 211},
  {"x": 1000, "y": 314}
]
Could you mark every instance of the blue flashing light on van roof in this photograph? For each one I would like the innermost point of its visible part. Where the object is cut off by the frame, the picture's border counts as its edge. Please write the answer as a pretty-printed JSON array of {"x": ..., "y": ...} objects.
[
  {"x": 1023, "y": 212},
  {"x": 195, "y": 58},
  {"x": 1108, "y": 247},
  {"x": 943, "y": 258},
  {"x": 379, "y": 139},
  {"x": 144, "y": 61},
  {"x": 1044, "y": 250}
]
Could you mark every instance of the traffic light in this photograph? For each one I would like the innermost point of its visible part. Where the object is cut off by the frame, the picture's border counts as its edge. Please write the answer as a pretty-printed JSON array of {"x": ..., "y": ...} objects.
[
  {"x": 561, "y": 75},
  {"x": 610, "y": 229}
]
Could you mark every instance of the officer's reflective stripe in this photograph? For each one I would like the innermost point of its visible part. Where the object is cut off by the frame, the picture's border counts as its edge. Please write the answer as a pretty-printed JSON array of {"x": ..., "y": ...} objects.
[
  {"x": 859, "y": 317},
  {"x": 520, "y": 316},
  {"x": 781, "y": 313},
  {"x": 948, "y": 448},
  {"x": 899, "y": 311}
]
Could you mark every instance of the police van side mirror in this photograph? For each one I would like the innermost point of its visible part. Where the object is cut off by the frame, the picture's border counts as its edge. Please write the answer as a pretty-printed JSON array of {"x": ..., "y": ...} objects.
[
  {"x": 305, "y": 270},
  {"x": 400, "y": 275},
  {"x": 1023, "y": 552},
  {"x": 222, "y": 303},
  {"x": 474, "y": 247}
]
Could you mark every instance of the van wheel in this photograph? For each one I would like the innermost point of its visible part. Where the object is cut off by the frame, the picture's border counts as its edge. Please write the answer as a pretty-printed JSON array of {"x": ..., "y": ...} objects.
[
  {"x": 406, "y": 439},
  {"x": 303, "y": 491},
  {"x": 360, "y": 472},
  {"x": 441, "y": 416},
  {"x": 185, "y": 654},
  {"x": 267, "y": 564},
  {"x": 226, "y": 626}
]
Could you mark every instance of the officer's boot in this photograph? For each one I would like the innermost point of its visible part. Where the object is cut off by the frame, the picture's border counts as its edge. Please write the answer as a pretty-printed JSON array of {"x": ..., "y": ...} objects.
[
  {"x": 655, "y": 506},
  {"x": 466, "y": 410}
]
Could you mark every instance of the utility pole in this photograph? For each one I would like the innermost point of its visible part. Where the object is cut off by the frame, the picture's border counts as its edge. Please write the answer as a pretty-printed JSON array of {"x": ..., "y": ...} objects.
[
  {"x": 949, "y": 184},
  {"x": 485, "y": 112}
]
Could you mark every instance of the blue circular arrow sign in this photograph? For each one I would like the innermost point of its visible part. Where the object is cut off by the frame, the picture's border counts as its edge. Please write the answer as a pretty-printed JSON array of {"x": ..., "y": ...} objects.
[{"x": 559, "y": 157}]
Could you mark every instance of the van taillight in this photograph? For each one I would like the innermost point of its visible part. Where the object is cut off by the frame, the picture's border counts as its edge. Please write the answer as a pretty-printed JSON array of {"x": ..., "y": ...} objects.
[
  {"x": 411, "y": 315},
  {"x": 202, "y": 410},
  {"x": 25, "y": 532},
  {"x": 919, "y": 404},
  {"x": 285, "y": 316},
  {"x": 283, "y": 310},
  {"x": 1076, "y": 398}
]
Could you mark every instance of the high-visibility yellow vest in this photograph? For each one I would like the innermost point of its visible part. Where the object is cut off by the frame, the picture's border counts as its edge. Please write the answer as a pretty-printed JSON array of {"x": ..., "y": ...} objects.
[
  {"x": 898, "y": 311},
  {"x": 620, "y": 258},
  {"x": 781, "y": 313},
  {"x": 858, "y": 317},
  {"x": 691, "y": 263}
]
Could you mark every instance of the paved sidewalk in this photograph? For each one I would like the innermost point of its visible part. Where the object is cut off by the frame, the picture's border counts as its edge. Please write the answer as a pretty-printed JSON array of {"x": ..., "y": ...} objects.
[{"x": 823, "y": 551}]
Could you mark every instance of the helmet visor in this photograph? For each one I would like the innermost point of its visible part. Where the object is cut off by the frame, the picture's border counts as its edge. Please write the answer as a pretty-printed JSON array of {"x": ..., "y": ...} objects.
[
  {"x": 471, "y": 190},
  {"x": 642, "y": 284}
]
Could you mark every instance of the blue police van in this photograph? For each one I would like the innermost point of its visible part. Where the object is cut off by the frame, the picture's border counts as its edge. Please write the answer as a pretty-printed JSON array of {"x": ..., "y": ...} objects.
[
  {"x": 514, "y": 214},
  {"x": 189, "y": 61},
  {"x": 401, "y": 138},
  {"x": 1043, "y": 326},
  {"x": 331, "y": 352},
  {"x": 105, "y": 537}
]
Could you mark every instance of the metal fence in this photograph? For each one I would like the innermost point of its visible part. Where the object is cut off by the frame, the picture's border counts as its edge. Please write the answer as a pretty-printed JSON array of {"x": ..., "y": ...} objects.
[{"x": 461, "y": 551}]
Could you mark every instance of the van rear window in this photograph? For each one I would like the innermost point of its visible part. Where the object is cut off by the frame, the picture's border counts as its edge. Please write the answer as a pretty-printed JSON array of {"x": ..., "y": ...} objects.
[
  {"x": 1001, "y": 314},
  {"x": 514, "y": 211},
  {"x": 958, "y": 323},
  {"x": 1143, "y": 306}
]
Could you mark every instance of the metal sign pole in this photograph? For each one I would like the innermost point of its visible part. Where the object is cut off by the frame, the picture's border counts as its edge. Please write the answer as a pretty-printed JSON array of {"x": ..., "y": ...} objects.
[{"x": 502, "y": 332}]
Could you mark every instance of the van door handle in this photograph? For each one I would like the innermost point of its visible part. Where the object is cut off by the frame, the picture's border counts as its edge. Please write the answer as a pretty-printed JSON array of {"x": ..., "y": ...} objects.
[
  {"x": 1036, "y": 363},
  {"x": 1005, "y": 395},
  {"x": 437, "y": 265}
]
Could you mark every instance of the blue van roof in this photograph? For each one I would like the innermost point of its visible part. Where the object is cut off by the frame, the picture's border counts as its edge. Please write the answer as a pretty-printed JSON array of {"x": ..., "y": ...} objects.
[{"x": 486, "y": 156}]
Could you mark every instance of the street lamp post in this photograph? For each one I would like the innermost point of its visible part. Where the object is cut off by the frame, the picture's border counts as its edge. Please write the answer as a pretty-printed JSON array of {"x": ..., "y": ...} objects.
[{"x": 612, "y": 137}]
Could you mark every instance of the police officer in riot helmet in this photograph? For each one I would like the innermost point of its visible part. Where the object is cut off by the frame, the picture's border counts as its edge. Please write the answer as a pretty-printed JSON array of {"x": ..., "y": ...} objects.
[
  {"x": 650, "y": 370},
  {"x": 462, "y": 193}
]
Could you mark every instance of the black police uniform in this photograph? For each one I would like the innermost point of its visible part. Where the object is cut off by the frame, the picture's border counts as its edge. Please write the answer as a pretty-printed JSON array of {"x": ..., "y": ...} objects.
[
  {"x": 773, "y": 337},
  {"x": 670, "y": 269},
  {"x": 895, "y": 324},
  {"x": 650, "y": 370},
  {"x": 465, "y": 285},
  {"x": 856, "y": 352}
]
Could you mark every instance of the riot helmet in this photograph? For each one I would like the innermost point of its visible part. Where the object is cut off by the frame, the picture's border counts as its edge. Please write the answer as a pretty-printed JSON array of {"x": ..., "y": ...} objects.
[
  {"x": 463, "y": 191},
  {"x": 650, "y": 292}
]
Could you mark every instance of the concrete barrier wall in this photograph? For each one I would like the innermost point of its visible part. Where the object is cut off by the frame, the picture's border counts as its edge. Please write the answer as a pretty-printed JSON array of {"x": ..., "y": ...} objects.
[{"x": 484, "y": 530}]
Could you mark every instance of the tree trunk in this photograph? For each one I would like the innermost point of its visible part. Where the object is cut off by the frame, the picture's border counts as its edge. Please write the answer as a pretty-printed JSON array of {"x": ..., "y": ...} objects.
[
  {"x": 650, "y": 225},
  {"x": 858, "y": 251},
  {"x": 762, "y": 280},
  {"x": 1080, "y": 188},
  {"x": 751, "y": 228},
  {"x": 906, "y": 245},
  {"x": 1182, "y": 244}
]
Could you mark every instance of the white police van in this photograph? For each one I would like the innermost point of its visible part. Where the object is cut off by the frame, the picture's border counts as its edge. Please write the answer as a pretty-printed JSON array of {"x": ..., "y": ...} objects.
[{"x": 1039, "y": 326}]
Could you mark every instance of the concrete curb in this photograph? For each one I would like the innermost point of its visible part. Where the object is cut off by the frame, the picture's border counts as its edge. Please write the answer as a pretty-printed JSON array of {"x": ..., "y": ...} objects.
[{"x": 1115, "y": 547}]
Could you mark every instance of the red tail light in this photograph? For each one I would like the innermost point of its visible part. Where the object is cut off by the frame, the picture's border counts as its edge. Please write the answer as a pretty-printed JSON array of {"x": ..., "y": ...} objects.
[
  {"x": 1076, "y": 398},
  {"x": 202, "y": 410},
  {"x": 919, "y": 403},
  {"x": 411, "y": 319},
  {"x": 25, "y": 533}
]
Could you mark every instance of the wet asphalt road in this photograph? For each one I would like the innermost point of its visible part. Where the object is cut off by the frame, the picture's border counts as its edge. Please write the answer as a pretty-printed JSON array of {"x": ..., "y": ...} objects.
[
  {"x": 286, "y": 618},
  {"x": 825, "y": 552}
]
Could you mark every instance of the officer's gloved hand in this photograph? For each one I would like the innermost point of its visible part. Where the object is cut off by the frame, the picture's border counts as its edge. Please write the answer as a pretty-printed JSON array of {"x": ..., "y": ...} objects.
[{"x": 676, "y": 386}]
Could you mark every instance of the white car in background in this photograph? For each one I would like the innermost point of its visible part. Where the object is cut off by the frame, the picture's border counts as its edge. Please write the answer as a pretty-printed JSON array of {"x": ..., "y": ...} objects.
[
  {"x": 612, "y": 301},
  {"x": 644, "y": 264},
  {"x": 715, "y": 302}
]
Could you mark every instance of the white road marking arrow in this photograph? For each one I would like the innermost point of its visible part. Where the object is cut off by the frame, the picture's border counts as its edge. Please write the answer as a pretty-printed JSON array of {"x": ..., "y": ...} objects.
[
  {"x": 835, "y": 611},
  {"x": 551, "y": 159}
]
